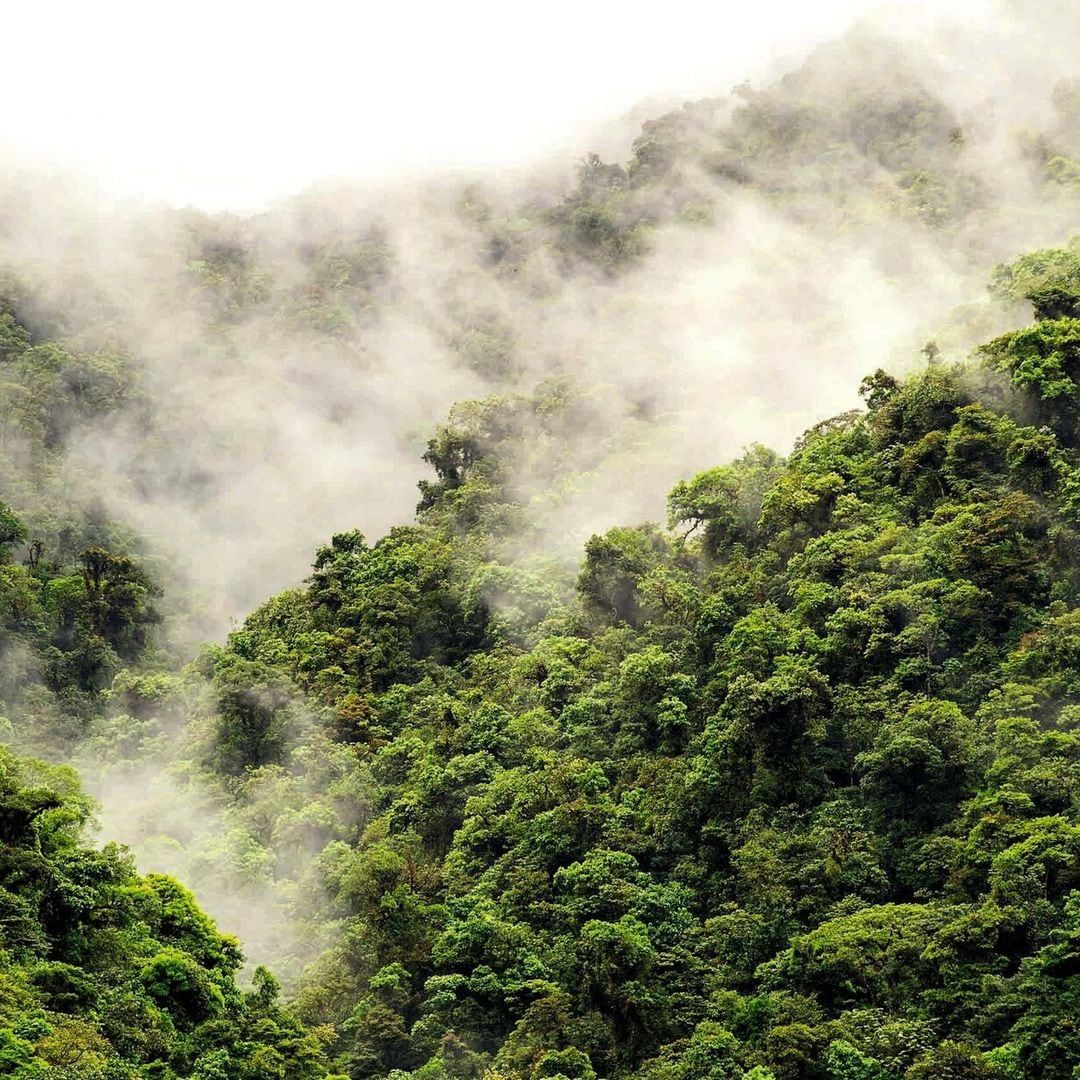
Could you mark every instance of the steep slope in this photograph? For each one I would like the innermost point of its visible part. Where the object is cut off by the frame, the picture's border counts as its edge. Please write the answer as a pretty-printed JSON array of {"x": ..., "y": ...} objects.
[
  {"x": 791, "y": 791},
  {"x": 785, "y": 788}
]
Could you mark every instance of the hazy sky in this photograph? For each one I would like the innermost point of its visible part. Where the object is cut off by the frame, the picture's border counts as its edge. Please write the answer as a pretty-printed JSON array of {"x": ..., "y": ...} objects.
[{"x": 231, "y": 104}]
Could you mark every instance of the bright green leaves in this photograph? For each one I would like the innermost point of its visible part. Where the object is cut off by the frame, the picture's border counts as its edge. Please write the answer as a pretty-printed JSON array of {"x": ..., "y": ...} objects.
[
  {"x": 869, "y": 958},
  {"x": 1043, "y": 364},
  {"x": 772, "y": 759},
  {"x": 376, "y": 615},
  {"x": 1045, "y": 1038},
  {"x": 768, "y": 734},
  {"x": 920, "y": 766},
  {"x": 1050, "y": 279},
  {"x": 725, "y": 502},
  {"x": 180, "y": 985},
  {"x": 788, "y": 796},
  {"x": 1049, "y": 658},
  {"x": 799, "y": 506}
]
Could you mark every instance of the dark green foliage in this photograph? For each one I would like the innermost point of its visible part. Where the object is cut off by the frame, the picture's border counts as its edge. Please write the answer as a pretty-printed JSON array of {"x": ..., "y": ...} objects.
[
  {"x": 104, "y": 974},
  {"x": 789, "y": 796},
  {"x": 787, "y": 790},
  {"x": 614, "y": 565},
  {"x": 12, "y": 530}
]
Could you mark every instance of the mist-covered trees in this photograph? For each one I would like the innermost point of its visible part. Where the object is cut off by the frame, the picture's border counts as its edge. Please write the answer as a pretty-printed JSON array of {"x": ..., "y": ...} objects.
[
  {"x": 106, "y": 974},
  {"x": 786, "y": 792},
  {"x": 786, "y": 789}
]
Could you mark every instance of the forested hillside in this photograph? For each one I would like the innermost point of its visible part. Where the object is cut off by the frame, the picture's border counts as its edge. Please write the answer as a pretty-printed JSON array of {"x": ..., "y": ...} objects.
[
  {"x": 102, "y": 971},
  {"x": 781, "y": 786}
]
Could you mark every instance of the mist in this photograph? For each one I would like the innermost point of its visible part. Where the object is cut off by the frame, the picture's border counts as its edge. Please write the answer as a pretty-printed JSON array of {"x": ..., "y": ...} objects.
[{"x": 281, "y": 102}]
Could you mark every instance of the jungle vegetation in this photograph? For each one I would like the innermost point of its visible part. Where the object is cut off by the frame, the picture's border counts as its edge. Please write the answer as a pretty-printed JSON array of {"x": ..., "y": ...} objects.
[{"x": 786, "y": 786}]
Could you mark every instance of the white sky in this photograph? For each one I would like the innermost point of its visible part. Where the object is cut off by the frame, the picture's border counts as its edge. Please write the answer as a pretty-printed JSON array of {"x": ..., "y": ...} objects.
[{"x": 233, "y": 104}]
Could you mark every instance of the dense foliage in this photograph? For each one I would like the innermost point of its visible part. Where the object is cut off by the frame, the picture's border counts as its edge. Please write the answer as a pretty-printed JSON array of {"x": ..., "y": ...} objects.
[
  {"x": 783, "y": 787},
  {"x": 105, "y": 974},
  {"x": 791, "y": 792}
]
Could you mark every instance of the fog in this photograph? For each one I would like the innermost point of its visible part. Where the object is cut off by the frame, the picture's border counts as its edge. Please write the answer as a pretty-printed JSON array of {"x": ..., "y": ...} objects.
[{"x": 236, "y": 106}]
